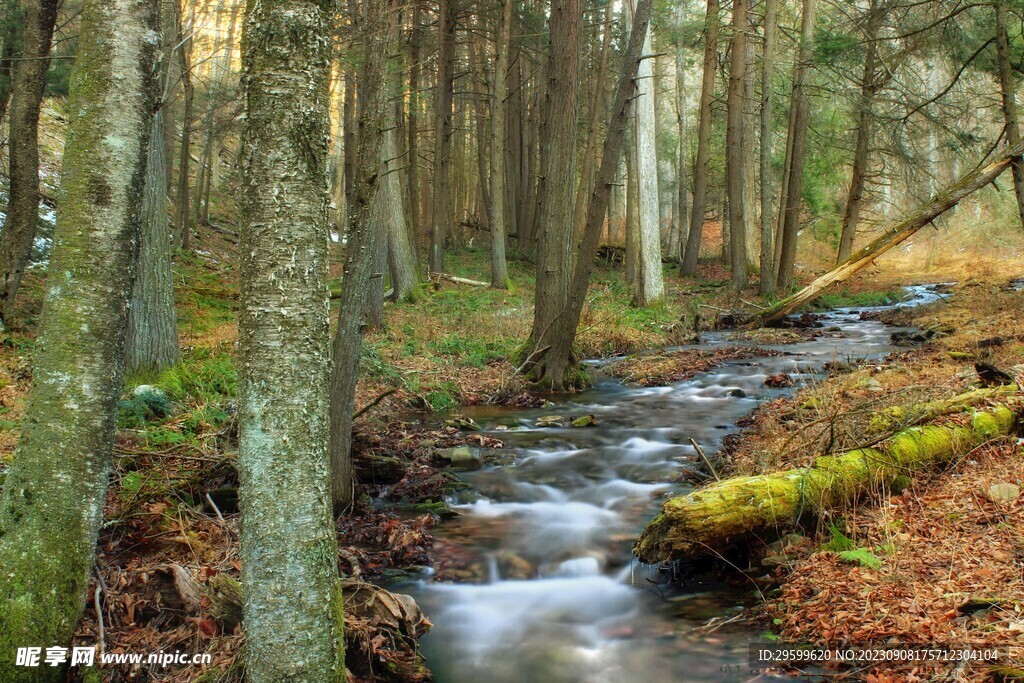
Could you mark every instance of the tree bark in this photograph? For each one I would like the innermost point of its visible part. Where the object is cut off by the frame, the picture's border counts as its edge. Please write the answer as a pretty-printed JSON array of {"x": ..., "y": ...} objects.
[
  {"x": 549, "y": 358},
  {"x": 401, "y": 254},
  {"x": 181, "y": 220},
  {"x": 868, "y": 89},
  {"x": 1007, "y": 88},
  {"x": 52, "y": 502},
  {"x": 789, "y": 213},
  {"x": 362, "y": 234},
  {"x": 587, "y": 167},
  {"x": 712, "y": 518},
  {"x": 29, "y": 80},
  {"x": 734, "y": 161},
  {"x": 499, "y": 129},
  {"x": 650, "y": 288},
  {"x": 152, "y": 342},
  {"x": 443, "y": 135},
  {"x": 413, "y": 162},
  {"x": 701, "y": 168},
  {"x": 555, "y": 248},
  {"x": 892, "y": 236},
  {"x": 767, "y": 266},
  {"x": 288, "y": 543},
  {"x": 683, "y": 159}
]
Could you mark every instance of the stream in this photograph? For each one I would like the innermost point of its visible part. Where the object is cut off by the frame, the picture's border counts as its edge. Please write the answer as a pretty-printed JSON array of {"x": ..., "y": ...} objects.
[{"x": 562, "y": 599}]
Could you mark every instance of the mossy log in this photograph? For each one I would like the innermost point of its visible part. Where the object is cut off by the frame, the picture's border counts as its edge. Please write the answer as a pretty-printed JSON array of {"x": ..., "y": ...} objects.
[{"x": 709, "y": 519}]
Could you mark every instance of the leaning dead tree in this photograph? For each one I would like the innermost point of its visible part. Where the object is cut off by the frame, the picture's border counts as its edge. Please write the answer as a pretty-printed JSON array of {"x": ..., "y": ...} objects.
[{"x": 920, "y": 217}]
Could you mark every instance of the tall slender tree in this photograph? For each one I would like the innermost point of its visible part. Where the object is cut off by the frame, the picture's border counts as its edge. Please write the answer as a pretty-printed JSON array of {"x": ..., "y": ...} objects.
[
  {"x": 52, "y": 501},
  {"x": 499, "y": 131},
  {"x": 548, "y": 355},
  {"x": 649, "y": 288},
  {"x": 701, "y": 167},
  {"x": 375, "y": 46},
  {"x": 443, "y": 128},
  {"x": 29, "y": 80},
  {"x": 735, "y": 166},
  {"x": 767, "y": 267},
  {"x": 1008, "y": 90},
  {"x": 796, "y": 144},
  {"x": 870, "y": 84}
]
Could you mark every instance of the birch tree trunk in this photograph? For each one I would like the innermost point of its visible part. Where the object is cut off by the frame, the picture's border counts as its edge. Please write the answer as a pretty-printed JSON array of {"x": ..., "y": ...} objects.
[
  {"x": 650, "y": 288},
  {"x": 682, "y": 161},
  {"x": 735, "y": 167},
  {"x": 288, "y": 543},
  {"x": 701, "y": 170},
  {"x": 52, "y": 502},
  {"x": 29, "y": 79},
  {"x": 767, "y": 266}
]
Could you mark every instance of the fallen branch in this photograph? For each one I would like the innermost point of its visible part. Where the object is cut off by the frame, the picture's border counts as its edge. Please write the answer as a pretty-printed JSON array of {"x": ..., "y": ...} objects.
[
  {"x": 369, "y": 406},
  {"x": 713, "y": 517},
  {"x": 457, "y": 280},
  {"x": 920, "y": 217}
]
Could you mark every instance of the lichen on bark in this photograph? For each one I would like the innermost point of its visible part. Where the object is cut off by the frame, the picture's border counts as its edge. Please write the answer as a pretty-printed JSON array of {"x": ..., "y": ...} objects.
[{"x": 52, "y": 501}]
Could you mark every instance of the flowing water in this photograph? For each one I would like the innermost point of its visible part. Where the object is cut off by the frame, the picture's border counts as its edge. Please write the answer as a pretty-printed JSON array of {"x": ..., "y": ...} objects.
[{"x": 561, "y": 598}]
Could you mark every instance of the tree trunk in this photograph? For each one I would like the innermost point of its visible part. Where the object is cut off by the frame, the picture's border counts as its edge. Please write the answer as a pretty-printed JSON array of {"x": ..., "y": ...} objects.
[
  {"x": 401, "y": 255},
  {"x": 181, "y": 220},
  {"x": 650, "y": 288},
  {"x": 1008, "y": 88},
  {"x": 362, "y": 234},
  {"x": 288, "y": 544},
  {"x": 152, "y": 342},
  {"x": 413, "y": 161},
  {"x": 868, "y": 88},
  {"x": 596, "y": 110},
  {"x": 555, "y": 248},
  {"x": 734, "y": 161},
  {"x": 443, "y": 135},
  {"x": 767, "y": 266},
  {"x": 549, "y": 358},
  {"x": 789, "y": 213},
  {"x": 919, "y": 218},
  {"x": 52, "y": 502},
  {"x": 683, "y": 158},
  {"x": 29, "y": 79},
  {"x": 711, "y": 519},
  {"x": 499, "y": 118},
  {"x": 701, "y": 168},
  {"x": 9, "y": 38}
]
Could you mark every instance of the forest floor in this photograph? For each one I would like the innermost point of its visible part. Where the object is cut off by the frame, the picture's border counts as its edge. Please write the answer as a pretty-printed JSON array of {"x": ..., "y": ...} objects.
[{"x": 173, "y": 498}]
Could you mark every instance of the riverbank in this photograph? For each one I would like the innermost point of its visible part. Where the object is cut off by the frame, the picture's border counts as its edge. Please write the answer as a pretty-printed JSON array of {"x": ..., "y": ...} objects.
[{"x": 937, "y": 564}]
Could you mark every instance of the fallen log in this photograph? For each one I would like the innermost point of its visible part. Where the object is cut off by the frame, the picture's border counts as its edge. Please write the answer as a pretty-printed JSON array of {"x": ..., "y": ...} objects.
[
  {"x": 920, "y": 217},
  {"x": 710, "y": 519}
]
